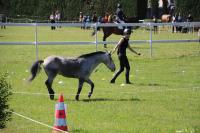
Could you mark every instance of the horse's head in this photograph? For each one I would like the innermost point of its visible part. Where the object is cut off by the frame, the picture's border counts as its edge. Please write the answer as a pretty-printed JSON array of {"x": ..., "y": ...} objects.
[{"x": 109, "y": 61}]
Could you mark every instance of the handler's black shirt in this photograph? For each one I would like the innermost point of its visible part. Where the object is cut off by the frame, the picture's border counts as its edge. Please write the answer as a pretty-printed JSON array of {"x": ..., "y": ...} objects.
[{"x": 122, "y": 47}]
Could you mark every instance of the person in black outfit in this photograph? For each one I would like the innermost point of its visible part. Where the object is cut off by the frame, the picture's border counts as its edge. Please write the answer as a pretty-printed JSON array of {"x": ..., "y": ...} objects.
[
  {"x": 3, "y": 20},
  {"x": 121, "y": 47},
  {"x": 120, "y": 14}
]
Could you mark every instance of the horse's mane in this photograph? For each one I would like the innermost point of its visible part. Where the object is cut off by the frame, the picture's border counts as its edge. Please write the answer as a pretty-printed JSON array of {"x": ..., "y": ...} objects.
[{"x": 91, "y": 54}]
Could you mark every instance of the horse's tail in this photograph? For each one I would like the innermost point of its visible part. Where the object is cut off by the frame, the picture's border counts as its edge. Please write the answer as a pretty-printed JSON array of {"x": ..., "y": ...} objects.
[{"x": 35, "y": 68}]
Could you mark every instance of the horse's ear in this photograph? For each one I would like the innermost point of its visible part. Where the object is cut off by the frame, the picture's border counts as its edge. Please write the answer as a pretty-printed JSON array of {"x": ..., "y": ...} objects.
[
  {"x": 106, "y": 51},
  {"x": 110, "y": 53}
]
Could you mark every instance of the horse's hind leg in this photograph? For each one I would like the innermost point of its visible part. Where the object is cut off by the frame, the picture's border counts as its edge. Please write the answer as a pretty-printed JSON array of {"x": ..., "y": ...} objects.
[
  {"x": 92, "y": 87},
  {"x": 81, "y": 81},
  {"x": 49, "y": 82}
]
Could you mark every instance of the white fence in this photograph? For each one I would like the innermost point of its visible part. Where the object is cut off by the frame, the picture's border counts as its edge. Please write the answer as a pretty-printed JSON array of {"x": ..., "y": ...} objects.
[{"x": 96, "y": 25}]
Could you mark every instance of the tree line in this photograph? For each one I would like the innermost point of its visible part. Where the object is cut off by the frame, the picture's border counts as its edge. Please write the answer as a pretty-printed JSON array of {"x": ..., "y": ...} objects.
[{"x": 41, "y": 9}]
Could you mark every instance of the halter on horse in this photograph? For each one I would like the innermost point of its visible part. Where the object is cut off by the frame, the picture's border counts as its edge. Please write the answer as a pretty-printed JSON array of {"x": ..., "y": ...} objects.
[
  {"x": 80, "y": 68},
  {"x": 107, "y": 31}
]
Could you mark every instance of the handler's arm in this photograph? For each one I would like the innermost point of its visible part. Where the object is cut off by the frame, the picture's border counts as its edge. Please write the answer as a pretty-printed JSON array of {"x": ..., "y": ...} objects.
[
  {"x": 120, "y": 41},
  {"x": 133, "y": 50}
]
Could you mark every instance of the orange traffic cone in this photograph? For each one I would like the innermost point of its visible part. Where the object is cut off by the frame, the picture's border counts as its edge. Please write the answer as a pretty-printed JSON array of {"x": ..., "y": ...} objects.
[{"x": 60, "y": 116}]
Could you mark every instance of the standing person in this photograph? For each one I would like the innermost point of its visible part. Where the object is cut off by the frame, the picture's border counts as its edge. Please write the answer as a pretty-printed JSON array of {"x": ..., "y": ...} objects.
[
  {"x": 190, "y": 19},
  {"x": 199, "y": 35},
  {"x": 174, "y": 21},
  {"x": 3, "y": 20},
  {"x": 179, "y": 19},
  {"x": 94, "y": 17},
  {"x": 81, "y": 18},
  {"x": 52, "y": 20},
  {"x": 155, "y": 28},
  {"x": 110, "y": 19},
  {"x": 57, "y": 17},
  {"x": 121, "y": 52},
  {"x": 105, "y": 19}
]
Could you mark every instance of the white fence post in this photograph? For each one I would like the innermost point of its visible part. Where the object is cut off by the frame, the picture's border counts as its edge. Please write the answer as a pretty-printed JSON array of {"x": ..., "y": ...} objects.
[
  {"x": 96, "y": 39},
  {"x": 150, "y": 41},
  {"x": 149, "y": 25},
  {"x": 36, "y": 41}
]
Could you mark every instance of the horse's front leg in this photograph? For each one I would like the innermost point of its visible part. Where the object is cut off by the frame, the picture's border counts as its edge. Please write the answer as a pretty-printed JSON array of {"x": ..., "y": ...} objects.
[
  {"x": 80, "y": 85},
  {"x": 92, "y": 87},
  {"x": 104, "y": 39}
]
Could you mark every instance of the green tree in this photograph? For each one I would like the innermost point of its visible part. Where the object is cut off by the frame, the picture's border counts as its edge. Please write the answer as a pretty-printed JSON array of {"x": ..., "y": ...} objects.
[
  {"x": 5, "y": 92},
  {"x": 188, "y": 6},
  {"x": 71, "y": 8},
  {"x": 154, "y": 7},
  {"x": 165, "y": 4}
]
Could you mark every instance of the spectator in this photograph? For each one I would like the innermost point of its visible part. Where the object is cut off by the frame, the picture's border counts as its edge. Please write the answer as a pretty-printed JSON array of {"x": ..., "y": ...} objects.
[
  {"x": 3, "y": 20},
  {"x": 155, "y": 28},
  {"x": 81, "y": 18},
  {"x": 173, "y": 21},
  {"x": 94, "y": 17},
  {"x": 84, "y": 21},
  {"x": 88, "y": 20},
  {"x": 179, "y": 19},
  {"x": 52, "y": 20},
  {"x": 57, "y": 17},
  {"x": 105, "y": 19},
  {"x": 110, "y": 19},
  {"x": 190, "y": 19},
  {"x": 199, "y": 35}
]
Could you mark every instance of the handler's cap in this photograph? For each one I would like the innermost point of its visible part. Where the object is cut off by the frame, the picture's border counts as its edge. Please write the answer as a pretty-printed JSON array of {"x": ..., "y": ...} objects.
[{"x": 127, "y": 31}]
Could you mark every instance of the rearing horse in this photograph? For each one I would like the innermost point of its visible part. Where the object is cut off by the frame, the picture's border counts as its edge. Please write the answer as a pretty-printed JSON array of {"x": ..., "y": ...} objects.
[
  {"x": 107, "y": 31},
  {"x": 80, "y": 68}
]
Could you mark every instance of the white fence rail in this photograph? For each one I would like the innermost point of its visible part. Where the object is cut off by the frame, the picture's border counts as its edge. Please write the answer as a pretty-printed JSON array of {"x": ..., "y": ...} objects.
[{"x": 95, "y": 25}]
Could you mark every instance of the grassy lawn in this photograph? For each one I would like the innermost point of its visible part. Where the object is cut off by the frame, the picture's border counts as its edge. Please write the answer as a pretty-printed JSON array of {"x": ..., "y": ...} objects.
[{"x": 164, "y": 96}]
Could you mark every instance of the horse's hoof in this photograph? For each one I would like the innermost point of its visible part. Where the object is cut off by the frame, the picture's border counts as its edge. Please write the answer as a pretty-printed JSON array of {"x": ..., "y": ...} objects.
[
  {"x": 89, "y": 95},
  {"x": 77, "y": 98},
  {"x": 128, "y": 82},
  {"x": 51, "y": 96},
  {"x": 112, "y": 81}
]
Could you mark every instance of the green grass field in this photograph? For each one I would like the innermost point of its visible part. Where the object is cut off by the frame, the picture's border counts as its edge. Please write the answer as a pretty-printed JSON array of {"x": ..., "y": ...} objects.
[{"x": 164, "y": 96}]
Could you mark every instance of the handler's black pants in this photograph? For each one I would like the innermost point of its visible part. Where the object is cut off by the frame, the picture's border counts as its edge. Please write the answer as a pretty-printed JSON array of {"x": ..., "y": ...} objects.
[{"x": 124, "y": 63}]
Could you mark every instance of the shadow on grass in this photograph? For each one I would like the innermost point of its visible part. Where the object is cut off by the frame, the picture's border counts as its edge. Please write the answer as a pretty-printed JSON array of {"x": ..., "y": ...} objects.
[
  {"x": 103, "y": 99},
  {"x": 109, "y": 99},
  {"x": 77, "y": 131},
  {"x": 151, "y": 84}
]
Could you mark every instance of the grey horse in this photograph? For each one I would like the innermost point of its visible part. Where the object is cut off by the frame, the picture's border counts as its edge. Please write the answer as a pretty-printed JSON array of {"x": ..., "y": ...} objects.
[{"x": 80, "y": 67}]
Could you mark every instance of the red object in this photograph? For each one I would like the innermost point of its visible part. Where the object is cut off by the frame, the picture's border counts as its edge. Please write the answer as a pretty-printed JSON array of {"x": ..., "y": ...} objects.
[
  {"x": 60, "y": 115},
  {"x": 61, "y": 98}
]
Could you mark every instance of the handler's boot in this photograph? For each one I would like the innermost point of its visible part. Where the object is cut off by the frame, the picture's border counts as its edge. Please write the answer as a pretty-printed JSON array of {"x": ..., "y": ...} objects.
[
  {"x": 127, "y": 78},
  {"x": 114, "y": 78}
]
